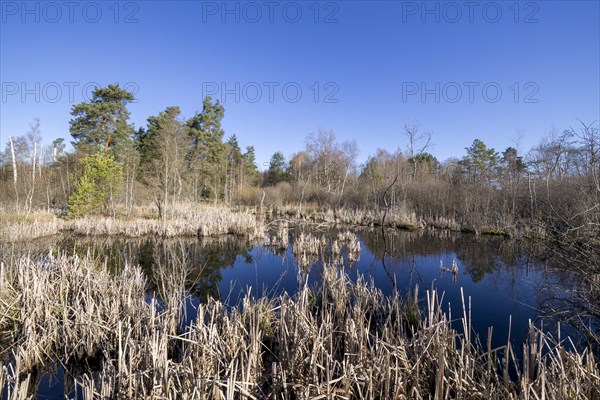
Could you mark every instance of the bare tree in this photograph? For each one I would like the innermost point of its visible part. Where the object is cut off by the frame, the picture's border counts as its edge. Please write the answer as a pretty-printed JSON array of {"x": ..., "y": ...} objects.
[
  {"x": 589, "y": 135},
  {"x": 349, "y": 150},
  {"x": 418, "y": 142},
  {"x": 15, "y": 172},
  {"x": 34, "y": 138},
  {"x": 300, "y": 168},
  {"x": 333, "y": 162},
  {"x": 321, "y": 148}
]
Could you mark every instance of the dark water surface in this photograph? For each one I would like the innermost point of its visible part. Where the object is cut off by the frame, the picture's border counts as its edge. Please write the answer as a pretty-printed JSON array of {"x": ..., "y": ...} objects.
[{"x": 500, "y": 278}]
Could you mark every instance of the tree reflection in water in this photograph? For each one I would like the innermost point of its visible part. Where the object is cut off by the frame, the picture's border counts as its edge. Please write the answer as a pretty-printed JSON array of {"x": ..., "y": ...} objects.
[
  {"x": 478, "y": 255},
  {"x": 199, "y": 261},
  {"x": 497, "y": 272}
]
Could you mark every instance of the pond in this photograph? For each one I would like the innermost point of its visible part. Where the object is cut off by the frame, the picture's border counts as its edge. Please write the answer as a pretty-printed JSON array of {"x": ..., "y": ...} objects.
[{"x": 502, "y": 280}]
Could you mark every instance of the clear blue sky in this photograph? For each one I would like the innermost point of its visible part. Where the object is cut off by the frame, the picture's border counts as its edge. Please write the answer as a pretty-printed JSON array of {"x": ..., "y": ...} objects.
[{"x": 364, "y": 68}]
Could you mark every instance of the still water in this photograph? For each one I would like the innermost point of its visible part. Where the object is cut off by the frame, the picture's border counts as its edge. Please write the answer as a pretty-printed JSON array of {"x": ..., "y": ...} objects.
[{"x": 501, "y": 279}]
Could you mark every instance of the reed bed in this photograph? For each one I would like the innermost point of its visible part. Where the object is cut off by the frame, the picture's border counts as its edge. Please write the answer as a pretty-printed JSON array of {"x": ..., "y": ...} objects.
[
  {"x": 38, "y": 224},
  {"x": 307, "y": 243},
  {"x": 351, "y": 242},
  {"x": 308, "y": 249},
  {"x": 280, "y": 240},
  {"x": 397, "y": 217},
  {"x": 336, "y": 340},
  {"x": 211, "y": 222},
  {"x": 203, "y": 222}
]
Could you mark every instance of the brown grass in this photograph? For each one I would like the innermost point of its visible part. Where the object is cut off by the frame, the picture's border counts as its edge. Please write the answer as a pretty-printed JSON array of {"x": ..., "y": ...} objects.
[
  {"x": 184, "y": 221},
  {"x": 38, "y": 224},
  {"x": 338, "y": 340}
]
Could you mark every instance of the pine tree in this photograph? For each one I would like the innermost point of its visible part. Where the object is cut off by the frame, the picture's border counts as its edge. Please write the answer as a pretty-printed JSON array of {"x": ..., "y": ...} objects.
[
  {"x": 250, "y": 167},
  {"x": 100, "y": 183},
  {"x": 101, "y": 123},
  {"x": 208, "y": 156},
  {"x": 480, "y": 163},
  {"x": 276, "y": 171}
]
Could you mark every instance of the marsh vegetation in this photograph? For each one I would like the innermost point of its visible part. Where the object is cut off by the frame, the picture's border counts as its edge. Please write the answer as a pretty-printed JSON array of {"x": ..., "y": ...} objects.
[
  {"x": 145, "y": 317},
  {"x": 171, "y": 267}
]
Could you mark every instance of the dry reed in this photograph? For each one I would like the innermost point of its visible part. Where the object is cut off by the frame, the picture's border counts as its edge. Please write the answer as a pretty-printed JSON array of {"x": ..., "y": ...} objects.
[
  {"x": 337, "y": 340},
  {"x": 187, "y": 221},
  {"x": 38, "y": 224}
]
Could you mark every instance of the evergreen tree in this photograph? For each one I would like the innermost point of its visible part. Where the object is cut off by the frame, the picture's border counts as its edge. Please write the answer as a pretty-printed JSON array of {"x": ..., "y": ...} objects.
[
  {"x": 235, "y": 168},
  {"x": 102, "y": 122},
  {"x": 250, "y": 167},
  {"x": 164, "y": 146},
  {"x": 425, "y": 161},
  {"x": 276, "y": 172},
  {"x": 100, "y": 183},
  {"x": 208, "y": 157},
  {"x": 480, "y": 162}
]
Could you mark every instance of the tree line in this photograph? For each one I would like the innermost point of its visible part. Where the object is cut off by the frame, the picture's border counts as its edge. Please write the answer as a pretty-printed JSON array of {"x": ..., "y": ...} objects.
[{"x": 114, "y": 166}]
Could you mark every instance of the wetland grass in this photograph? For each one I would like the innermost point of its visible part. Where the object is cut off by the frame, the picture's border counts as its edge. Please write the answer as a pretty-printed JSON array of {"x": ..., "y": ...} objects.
[
  {"x": 185, "y": 220},
  {"x": 338, "y": 339}
]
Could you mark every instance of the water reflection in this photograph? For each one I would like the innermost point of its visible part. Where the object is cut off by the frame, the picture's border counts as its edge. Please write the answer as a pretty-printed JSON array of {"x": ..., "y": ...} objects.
[
  {"x": 500, "y": 276},
  {"x": 500, "y": 279},
  {"x": 205, "y": 260},
  {"x": 478, "y": 255},
  {"x": 570, "y": 294},
  {"x": 199, "y": 263}
]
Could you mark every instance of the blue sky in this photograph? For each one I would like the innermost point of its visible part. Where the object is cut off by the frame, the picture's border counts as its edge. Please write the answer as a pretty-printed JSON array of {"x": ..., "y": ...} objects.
[{"x": 285, "y": 69}]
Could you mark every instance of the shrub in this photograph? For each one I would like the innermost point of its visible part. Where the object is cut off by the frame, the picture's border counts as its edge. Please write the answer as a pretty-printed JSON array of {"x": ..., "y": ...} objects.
[{"x": 102, "y": 177}]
